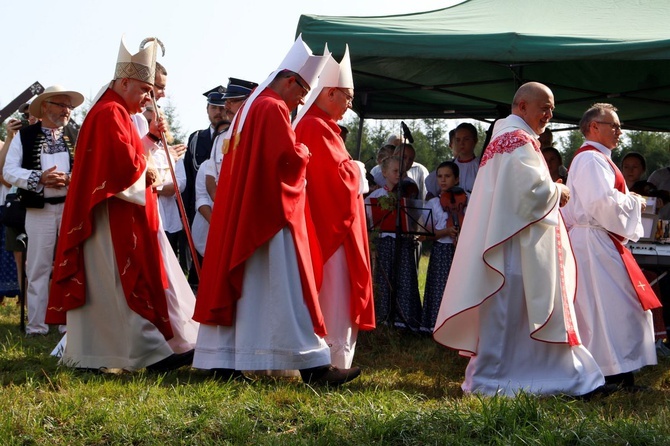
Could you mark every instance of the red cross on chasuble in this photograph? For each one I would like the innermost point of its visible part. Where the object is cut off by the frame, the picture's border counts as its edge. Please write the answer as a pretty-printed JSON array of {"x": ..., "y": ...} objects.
[{"x": 645, "y": 294}]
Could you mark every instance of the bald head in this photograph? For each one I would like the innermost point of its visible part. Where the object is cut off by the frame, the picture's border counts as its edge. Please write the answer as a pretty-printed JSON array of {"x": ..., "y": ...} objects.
[
  {"x": 530, "y": 91},
  {"x": 534, "y": 103}
]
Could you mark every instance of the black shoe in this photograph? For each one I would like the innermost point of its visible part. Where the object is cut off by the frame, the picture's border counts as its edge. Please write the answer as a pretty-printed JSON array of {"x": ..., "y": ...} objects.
[
  {"x": 89, "y": 370},
  {"x": 329, "y": 375},
  {"x": 602, "y": 391},
  {"x": 172, "y": 362},
  {"x": 228, "y": 375},
  {"x": 635, "y": 388}
]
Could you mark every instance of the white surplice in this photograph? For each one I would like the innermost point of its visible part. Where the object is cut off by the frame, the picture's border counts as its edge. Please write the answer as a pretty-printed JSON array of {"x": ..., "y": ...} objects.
[
  {"x": 106, "y": 332},
  {"x": 613, "y": 326},
  {"x": 273, "y": 329}
]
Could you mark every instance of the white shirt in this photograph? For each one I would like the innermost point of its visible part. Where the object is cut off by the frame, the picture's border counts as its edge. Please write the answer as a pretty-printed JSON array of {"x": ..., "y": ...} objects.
[
  {"x": 417, "y": 173},
  {"x": 18, "y": 176},
  {"x": 467, "y": 172},
  {"x": 167, "y": 205}
]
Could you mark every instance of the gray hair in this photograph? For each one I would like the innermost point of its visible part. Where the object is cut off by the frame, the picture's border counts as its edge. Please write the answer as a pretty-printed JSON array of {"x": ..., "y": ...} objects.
[{"x": 596, "y": 111}]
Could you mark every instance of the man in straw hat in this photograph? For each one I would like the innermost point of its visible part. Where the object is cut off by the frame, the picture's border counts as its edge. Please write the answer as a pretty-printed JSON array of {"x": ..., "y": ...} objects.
[
  {"x": 335, "y": 197},
  {"x": 39, "y": 163},
  {"x": 257, "y": 303},
  {"x": 108, "y": 278}
]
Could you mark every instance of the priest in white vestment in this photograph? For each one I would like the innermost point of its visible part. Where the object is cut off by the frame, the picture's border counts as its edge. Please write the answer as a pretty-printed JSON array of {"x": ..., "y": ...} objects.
[
  {"x": 602, "y": 214},
  {"x": 508, "y": 302}
]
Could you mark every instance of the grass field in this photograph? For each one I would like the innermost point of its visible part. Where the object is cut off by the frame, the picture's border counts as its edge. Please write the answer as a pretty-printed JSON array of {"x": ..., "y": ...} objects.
[{"x": 409, "y": 394}]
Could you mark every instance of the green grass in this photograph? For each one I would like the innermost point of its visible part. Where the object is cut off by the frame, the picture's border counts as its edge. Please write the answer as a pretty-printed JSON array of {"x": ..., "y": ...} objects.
[{"x": 409, "y": 394}]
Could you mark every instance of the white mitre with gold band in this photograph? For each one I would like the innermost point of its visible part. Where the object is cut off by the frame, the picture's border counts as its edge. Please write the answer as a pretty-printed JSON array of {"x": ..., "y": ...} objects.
[
  {"x": 333, "y": 75},
  {"x": 140, "y": 66},
  {"x": 299, "y": 60}
]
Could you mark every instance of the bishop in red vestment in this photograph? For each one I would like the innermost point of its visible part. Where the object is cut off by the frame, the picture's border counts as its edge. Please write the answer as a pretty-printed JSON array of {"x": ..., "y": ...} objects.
[
  {"x": 333, "y": 182},
  {"x": 108, "y": 279},
  {"x": 257, "y": 301}
]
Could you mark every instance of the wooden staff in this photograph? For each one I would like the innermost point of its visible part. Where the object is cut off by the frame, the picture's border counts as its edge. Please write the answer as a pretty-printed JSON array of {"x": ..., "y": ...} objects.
[{"x": 180, "y": 201}]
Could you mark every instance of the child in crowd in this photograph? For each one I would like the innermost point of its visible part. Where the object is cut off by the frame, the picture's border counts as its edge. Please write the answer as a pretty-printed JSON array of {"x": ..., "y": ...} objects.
[
  {"x": 447, "y": 211},
  {"x": 405, "y": 311}
]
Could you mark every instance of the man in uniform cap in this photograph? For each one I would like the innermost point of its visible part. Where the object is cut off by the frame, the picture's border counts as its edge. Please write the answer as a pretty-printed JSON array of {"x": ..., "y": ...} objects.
[
  {"x": 198, "y": 151},
  {"x": 237, "y": 92},
  {"x": 257, "y": 303},
  {"x": 109, "y": 279},
  {"x": 39, "y": 162}
]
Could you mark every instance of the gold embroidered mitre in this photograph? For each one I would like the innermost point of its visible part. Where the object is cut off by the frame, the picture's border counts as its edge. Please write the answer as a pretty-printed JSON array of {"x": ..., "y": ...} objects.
[{"x": 140, "y": 66}]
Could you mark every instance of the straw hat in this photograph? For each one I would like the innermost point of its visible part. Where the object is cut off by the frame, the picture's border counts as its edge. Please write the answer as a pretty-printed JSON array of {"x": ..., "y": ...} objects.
[{"x": 55, "y": 90}]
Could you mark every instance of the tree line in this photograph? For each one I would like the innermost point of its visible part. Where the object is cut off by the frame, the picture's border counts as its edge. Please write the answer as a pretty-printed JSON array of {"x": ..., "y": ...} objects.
[
  {"x": 431, "y": 142},
  {"x": 431, "y": 139}
]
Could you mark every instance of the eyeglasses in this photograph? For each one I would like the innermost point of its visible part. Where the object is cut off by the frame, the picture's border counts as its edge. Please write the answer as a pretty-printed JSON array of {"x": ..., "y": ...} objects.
[
  {"x": 61, "y": 105},
  {"x": 297, "y": 81},
  {"x": 349, "y": 98},
  {"x": 613, "y": 125}
]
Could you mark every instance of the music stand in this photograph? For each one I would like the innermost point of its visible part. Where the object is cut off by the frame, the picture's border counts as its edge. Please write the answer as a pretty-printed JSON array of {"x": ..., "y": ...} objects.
[
  {"x": 407, "y": 217},
  {"x": 414, "y": 217}
]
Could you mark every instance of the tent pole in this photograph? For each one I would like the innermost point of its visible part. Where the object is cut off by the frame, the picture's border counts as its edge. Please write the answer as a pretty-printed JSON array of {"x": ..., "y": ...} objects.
[{"x": 359, "y": 142}]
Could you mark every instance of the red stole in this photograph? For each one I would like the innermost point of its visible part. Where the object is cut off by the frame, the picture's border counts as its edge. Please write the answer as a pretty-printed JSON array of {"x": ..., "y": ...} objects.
[
  {"x": 261, "y": 191},
  {"x": 337, "y": 209},
  {"x": 645, "y": 293},
  {"x": 109, "y": 159}
]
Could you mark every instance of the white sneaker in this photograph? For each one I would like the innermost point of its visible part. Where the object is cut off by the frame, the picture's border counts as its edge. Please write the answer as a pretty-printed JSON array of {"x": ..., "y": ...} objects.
[{"x": 662, "y": 349}]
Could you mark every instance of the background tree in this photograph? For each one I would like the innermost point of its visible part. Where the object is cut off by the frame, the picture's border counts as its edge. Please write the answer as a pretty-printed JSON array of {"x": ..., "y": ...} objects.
[
  {"x": 374, "y": 136},
  {"x": 173, "y": 123},
  {"x": 568, "y": 144},
  {"x": 654, "y": 146}
]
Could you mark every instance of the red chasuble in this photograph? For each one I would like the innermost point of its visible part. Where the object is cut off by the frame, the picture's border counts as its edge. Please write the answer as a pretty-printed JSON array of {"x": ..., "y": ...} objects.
[
  {"x": 108, "y": 160},
  {"x": 261, "y": 191},
  {"x": 645, "y": 293},
  {"x": 337, "y": 209}
]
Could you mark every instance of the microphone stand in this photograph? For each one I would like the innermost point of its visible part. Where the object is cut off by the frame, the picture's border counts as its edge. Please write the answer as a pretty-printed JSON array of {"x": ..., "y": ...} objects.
[{"x": 394, "y": 307}]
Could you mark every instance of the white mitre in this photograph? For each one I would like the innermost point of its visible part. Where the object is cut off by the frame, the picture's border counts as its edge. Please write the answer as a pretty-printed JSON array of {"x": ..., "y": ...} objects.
[
  {"x": 299, "y": 60},
  {"x": 332, "y": 75},
  {"x": 140, "y": 66}
]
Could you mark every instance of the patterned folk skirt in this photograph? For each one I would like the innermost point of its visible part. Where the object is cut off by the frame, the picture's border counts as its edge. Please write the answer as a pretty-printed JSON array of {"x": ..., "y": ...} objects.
[
  {"x": 9, "y": 285},
  {"x": 441, "y": 256},
  {"x": 405, "y": 310}
]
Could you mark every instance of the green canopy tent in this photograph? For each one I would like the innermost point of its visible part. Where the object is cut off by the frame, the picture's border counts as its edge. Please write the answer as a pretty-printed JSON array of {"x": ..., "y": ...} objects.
[{"x": 467, "y": 60}]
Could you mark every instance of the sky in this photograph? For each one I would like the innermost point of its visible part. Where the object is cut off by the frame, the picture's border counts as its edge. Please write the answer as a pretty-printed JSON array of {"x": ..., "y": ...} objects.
[{"x": 75, "y": 43}]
